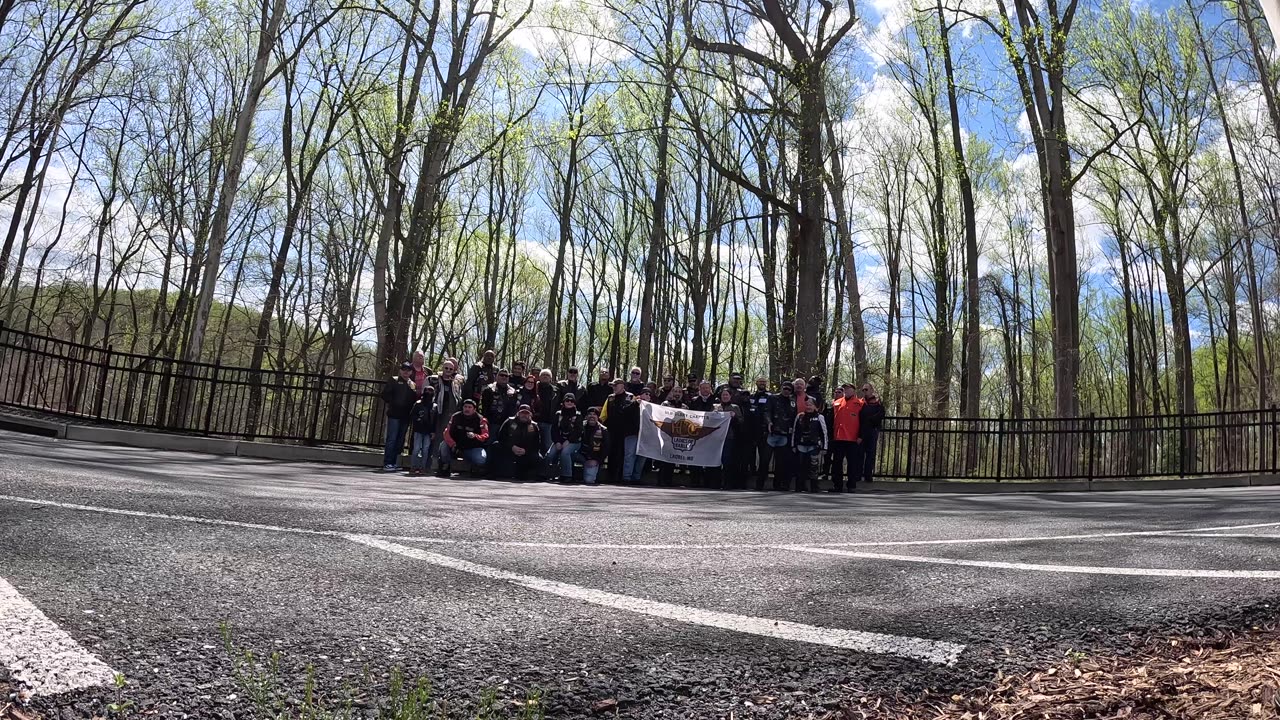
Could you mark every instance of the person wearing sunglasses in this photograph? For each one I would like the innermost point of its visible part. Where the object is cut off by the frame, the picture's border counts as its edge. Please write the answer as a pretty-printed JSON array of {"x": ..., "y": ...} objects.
[
  {"x": 870, "y": 418},
  {"x": 781, "y": 421},
  {"x": 846, "y": 458},
  {"x": 636, "y": 383}
]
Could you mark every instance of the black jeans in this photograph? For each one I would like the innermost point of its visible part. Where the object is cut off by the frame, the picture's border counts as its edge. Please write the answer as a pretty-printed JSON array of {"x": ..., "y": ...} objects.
[
  {"x": 868, "y": 452},
  {"x": 617, "y": 453},
  {"x": 804, "y": 470},
  {"x": 784, "y": 467},
  {"x": 842, "y": 452},
  {"x": 764, "y": 455},
  {"x": 525, "y": 466},
  {"x": 665, "y": 472}
]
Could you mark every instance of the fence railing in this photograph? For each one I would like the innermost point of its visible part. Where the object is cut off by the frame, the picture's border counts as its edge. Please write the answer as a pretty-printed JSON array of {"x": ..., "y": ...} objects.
[
  {"x": 65, "y": 378},
  {"x": 1088, "y": 448},
  {"x": 97, "y": 383}
]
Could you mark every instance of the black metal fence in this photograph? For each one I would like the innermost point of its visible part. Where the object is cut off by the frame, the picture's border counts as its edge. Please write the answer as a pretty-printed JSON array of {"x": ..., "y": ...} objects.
[
  {"x": 1088, "y": 448},
  {"x": 98, "y": 384}
]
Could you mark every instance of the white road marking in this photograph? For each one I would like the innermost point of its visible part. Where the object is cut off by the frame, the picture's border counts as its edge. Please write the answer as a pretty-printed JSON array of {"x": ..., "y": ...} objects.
[
  {"x": 44, "y": 659},
  {"x": 1226, "y": 535},
  {"x": 932, "y": 651},
  {"x": 624, "y": 546},
  {"x": 1039, "y": 567},
  {"x": 1045, "y": 538}
]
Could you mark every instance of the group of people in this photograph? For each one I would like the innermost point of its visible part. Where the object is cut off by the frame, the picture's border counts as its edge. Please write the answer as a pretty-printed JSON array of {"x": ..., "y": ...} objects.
[{"x": 522, "y": 423}]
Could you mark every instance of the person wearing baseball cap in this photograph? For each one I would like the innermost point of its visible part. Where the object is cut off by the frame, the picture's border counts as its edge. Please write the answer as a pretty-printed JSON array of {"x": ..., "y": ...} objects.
[
  {"x": 627, "y": 427},
  {"x": 480, "y": 375},
  {"x": 465, "y": 437},
  {"x": 614, "y": 411},
  {"x": 756, "y": 431},
  {"x": 566, "y": 438},
  {"x": 399, "y": 394},
  {"x": 520, "y": 440},
  {"x": 691, "y": 386},
  {"x": 845, "y": 453}
]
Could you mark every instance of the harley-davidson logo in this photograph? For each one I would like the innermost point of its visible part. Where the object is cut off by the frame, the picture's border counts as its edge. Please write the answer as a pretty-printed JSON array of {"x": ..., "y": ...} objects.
[{"x": 683, "y": 431}]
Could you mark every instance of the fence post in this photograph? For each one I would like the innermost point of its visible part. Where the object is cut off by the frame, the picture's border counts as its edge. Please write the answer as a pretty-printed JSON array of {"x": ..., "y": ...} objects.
[
  {"x": 999, "y": 447},
  {"x": 315, "y": 410},
  {"x": 1274, "y": 438},
  {"x": 1092, "y": 445},
  {"x": 1262, "y": 441},
  {"x": 208, "y": 410},
  {"x": 4, "y": 386},
  {"x": 911, "y": 441},
  {"x": 102, "y": 383},
  {"x": 1182, "y": 444}
]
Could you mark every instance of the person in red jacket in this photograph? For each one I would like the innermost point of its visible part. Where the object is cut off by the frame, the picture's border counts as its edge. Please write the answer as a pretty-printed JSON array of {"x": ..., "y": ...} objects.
[
  {"x": 845, "y": 453},
  {"x": 465, "y": 437}
]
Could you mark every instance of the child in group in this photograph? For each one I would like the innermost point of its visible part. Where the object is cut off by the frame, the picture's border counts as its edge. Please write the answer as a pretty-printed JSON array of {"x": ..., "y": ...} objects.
[
  {"x": 423, "y": 417},
  {"x": 595, "y": 446},
  {"x": 808, "y": 442}
]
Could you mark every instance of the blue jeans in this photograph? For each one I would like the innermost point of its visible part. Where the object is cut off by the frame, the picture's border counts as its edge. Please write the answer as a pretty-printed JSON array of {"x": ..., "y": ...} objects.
[
  {"x": 546, "y": 436},
  {"x": 632, "y": 466},
  {"x": 420, "y": 459},
  {"x": 396, "y": 429},
  {"x": 564, "y": 458},
  {"x": 476, "y": 457},
  {"x": 590, "y": 470}
]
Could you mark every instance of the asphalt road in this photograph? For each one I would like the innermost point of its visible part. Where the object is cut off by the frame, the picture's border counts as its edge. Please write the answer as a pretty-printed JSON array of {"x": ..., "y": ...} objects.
[{"x": 674, "y": 603}]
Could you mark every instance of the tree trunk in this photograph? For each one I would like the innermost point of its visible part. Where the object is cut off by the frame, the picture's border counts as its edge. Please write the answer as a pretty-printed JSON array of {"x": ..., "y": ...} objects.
[{"x": 231, "y": 180}]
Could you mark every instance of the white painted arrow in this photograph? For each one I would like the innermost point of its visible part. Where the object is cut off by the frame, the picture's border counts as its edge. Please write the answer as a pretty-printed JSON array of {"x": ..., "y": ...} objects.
[{"x": 44, "y": 659}]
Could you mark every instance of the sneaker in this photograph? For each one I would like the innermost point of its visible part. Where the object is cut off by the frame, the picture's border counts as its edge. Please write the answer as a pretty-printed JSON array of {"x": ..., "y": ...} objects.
[{"x": 389, "y": 468}]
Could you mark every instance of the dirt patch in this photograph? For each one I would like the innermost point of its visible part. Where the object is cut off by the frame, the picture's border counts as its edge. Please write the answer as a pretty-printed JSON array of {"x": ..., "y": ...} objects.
[
  {"x": 9, "y": 708},
  {"x": 1230, "y": 677}
]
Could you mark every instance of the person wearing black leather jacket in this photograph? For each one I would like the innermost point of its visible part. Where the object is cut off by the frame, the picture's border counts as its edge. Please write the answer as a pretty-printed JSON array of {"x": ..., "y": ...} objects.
[
  {"x": 399, "y": 395},
  {"x": 809, "y": 440},
  {"x": 782, "y": 418},
  {"x": 424, "y": 418},
  {"x": 666, "y": 470},
  {"x": 755, "y": 433},
  {"x": 870, "y": 418},
  {"x": 612, "y": 416},
  {"x": 566, "y": 436},
  {"x": 521, "y": 442},
  {"x": 545, "y": 409}
]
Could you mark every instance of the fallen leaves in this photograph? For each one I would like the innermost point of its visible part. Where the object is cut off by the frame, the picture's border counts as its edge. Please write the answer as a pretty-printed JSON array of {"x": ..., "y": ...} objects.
[
  {"x": 602, "y": 706},
  {"x": 1233, "y": 677}
]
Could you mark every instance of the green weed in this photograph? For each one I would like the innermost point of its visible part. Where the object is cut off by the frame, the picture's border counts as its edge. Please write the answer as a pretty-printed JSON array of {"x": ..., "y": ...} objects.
[{"x": 273, "y": 698}]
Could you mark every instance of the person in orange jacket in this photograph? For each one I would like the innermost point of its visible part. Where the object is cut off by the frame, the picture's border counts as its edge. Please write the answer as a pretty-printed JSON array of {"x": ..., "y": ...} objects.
[{"x": 845, "y": 452}]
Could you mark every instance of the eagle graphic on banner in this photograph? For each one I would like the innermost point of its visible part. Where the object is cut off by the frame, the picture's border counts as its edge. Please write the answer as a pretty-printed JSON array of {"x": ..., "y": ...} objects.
[{"x": 683, "y": 431}]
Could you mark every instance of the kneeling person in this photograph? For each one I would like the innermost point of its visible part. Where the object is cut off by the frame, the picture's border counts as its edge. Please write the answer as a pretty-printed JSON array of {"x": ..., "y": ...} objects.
[
  {"x": 521, "y": 441},
  {"x": 465, "y": 438},
  {"x": 595, "y": 446}
]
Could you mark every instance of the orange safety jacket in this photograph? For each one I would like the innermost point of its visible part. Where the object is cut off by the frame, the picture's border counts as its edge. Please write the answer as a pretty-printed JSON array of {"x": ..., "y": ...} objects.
[{"x": 846, "y": 418}]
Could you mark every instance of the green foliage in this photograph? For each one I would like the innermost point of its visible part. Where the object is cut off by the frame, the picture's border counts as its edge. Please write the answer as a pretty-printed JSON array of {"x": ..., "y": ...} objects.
[{"x": 273, "y": 695}]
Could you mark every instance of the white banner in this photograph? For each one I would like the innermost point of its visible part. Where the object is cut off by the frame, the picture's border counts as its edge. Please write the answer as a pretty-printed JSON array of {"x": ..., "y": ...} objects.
[
  {"x": 683, "y": 437},
  {"x": 1271, "y": 8}
]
